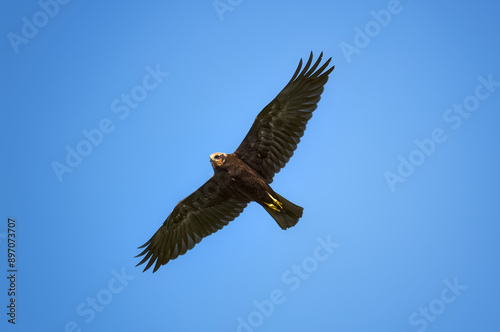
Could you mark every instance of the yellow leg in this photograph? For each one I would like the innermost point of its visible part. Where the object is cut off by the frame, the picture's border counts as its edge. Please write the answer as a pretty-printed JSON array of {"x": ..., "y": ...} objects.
[{"x": 278, "y": 207}]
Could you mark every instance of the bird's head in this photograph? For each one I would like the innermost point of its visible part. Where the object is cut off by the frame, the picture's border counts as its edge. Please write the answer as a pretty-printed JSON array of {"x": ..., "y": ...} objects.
[{"x": 217, "y": 159}]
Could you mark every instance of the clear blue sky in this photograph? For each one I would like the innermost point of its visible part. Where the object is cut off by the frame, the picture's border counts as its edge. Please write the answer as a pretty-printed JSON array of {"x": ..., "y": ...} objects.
[{"x": 397, "y": 171}]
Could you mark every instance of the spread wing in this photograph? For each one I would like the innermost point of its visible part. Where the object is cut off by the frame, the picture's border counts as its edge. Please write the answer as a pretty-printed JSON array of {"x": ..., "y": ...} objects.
[
  {"x": 277, "y": 129},
  {"x": 205, "y": 211}
]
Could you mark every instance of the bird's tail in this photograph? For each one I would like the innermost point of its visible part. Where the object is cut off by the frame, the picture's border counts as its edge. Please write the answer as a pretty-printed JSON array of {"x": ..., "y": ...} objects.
[{"x": 283, "y": 211}]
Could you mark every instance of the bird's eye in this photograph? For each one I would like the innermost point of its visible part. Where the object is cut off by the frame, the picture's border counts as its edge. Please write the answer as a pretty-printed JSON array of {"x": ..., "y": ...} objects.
[{"x": 217, "y": 156}]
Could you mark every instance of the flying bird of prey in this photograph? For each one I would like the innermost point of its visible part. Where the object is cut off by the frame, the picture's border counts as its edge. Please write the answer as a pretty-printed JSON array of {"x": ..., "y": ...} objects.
[{"x": 244, "y": 176}]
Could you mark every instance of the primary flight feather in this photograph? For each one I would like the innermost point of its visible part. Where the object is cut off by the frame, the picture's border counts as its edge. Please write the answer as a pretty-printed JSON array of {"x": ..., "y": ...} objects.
[{"x": 244, "y": 176}]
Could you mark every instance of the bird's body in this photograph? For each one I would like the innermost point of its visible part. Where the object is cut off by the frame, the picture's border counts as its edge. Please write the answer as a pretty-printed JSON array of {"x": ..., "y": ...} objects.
[
  {"x": 245, "y": 175},
  {"x": 247, "y": 183}
]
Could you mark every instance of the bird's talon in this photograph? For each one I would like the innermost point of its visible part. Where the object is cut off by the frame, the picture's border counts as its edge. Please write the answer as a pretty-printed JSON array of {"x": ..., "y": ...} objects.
[
  {"x": 275, "y": 201},
  {"x": 272, "y": 206}
]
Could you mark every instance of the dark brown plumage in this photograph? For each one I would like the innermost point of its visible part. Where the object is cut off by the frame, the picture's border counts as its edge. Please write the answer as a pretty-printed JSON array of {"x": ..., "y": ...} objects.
[{"x": 245, "y": 175}]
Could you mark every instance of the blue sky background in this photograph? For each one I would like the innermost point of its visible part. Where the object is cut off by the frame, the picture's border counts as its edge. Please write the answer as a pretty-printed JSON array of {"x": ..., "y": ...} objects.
[{"x": 418, "y": 255}]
